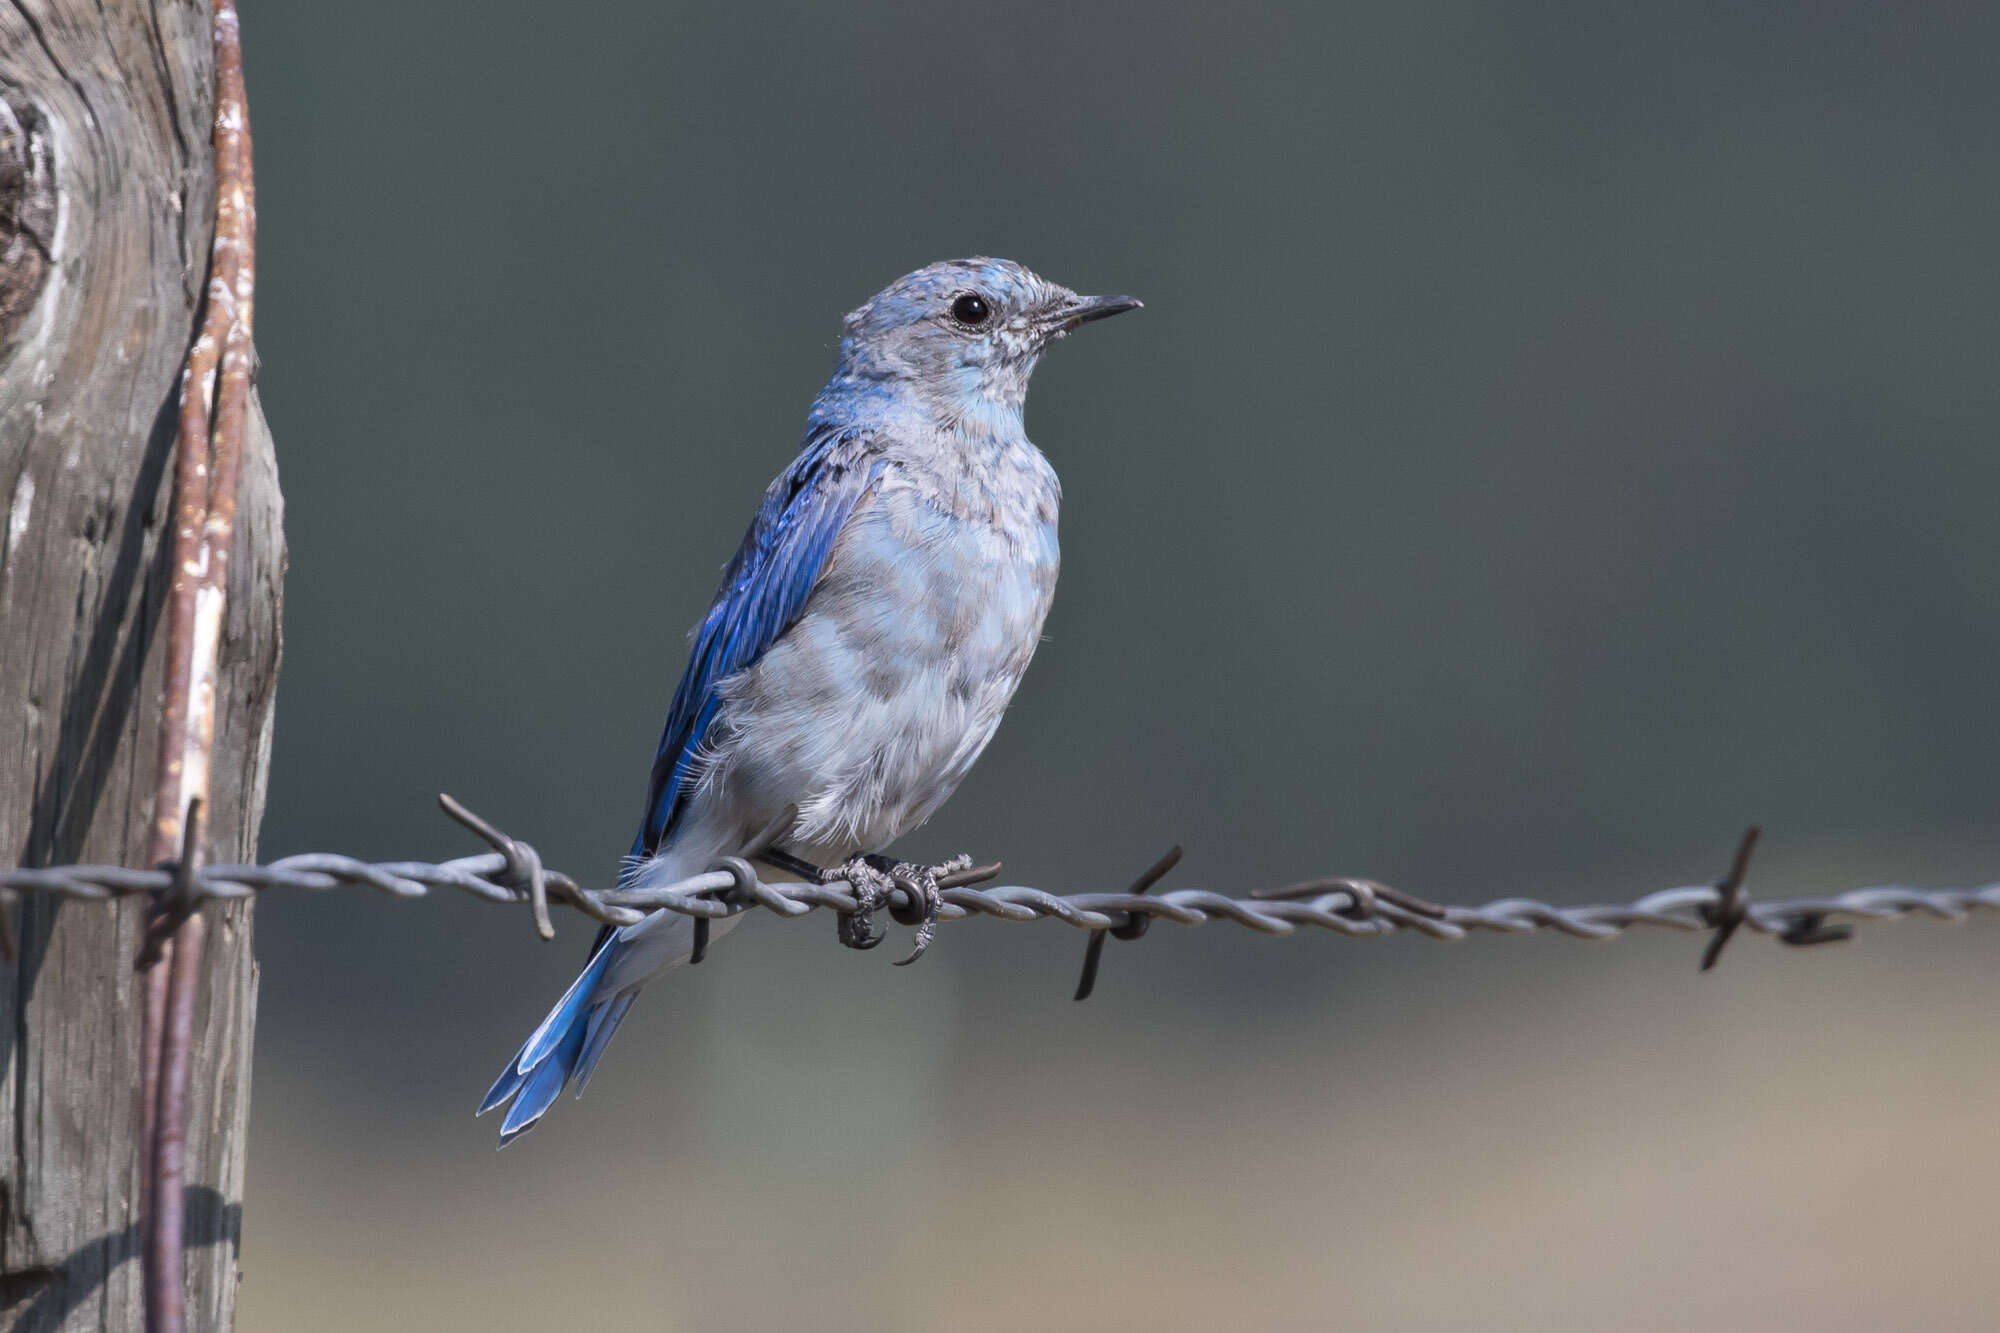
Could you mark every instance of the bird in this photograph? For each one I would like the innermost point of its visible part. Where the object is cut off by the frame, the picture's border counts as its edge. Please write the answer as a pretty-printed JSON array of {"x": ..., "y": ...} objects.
[{"x": 867, "y": 635}]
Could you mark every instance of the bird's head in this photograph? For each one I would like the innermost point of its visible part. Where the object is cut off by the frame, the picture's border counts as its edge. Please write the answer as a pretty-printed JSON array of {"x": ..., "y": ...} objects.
[{"x": 961, "y": 337}]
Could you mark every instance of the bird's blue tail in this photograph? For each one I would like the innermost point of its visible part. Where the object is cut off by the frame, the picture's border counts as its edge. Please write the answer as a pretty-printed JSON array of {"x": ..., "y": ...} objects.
[{"x": 565, "y": 1047}]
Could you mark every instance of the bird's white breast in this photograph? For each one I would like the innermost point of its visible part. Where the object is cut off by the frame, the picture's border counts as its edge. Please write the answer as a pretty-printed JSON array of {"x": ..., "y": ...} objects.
[{"x": 869, "y": 711}]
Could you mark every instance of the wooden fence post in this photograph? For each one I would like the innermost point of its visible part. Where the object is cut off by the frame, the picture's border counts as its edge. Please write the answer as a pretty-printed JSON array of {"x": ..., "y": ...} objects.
[{"x": 107, "y": 194}]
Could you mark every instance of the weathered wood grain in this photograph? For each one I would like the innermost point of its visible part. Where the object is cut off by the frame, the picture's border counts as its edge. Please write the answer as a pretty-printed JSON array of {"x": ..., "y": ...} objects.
[{"x": 106, "y": 205}]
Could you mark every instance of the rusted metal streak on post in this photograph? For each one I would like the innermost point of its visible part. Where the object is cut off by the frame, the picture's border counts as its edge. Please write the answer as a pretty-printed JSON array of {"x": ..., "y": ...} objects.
[{"x": 215, "y": 401}]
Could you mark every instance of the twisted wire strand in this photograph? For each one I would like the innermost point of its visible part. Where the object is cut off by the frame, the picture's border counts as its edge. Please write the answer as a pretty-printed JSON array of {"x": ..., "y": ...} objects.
[{"x": 1356, "y": 909}]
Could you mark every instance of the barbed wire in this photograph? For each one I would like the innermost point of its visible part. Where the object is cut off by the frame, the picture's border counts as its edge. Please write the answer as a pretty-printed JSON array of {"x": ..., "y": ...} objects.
[{"x": 1355, "y": 908}]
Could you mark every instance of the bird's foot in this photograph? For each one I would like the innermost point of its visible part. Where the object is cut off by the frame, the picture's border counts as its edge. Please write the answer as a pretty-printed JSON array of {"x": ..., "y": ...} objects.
[
  {"x": 869, "y": 879},
  {"x": 873, "y": 880},
  {"x": 920, "y": 883}
]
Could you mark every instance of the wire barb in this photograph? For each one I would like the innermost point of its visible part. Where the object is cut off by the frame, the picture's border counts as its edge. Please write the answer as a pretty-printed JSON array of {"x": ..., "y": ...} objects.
[
  {"x": 1732, "y": 906},
  {"x": 1812, "y": 929},
  {"x": 524, "y": 863},
  {"x": 1132, "y": 927}
]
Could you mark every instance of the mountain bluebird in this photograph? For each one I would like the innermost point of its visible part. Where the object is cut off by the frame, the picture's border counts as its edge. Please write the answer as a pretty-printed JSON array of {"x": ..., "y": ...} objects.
[{"x": 867, "y": 636}]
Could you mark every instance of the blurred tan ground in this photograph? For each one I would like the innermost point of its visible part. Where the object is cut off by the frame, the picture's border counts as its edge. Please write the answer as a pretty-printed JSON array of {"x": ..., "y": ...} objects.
[{"x": 1504, "y": 1134}]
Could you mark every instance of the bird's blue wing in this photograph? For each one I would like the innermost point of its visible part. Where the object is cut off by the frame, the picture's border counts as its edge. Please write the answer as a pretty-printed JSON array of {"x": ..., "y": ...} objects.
[{"x": 763, "y": 593}]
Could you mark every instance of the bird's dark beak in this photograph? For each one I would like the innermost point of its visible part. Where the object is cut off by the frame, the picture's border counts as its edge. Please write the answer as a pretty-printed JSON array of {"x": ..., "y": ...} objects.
[{"x": 1086, "y": 308}]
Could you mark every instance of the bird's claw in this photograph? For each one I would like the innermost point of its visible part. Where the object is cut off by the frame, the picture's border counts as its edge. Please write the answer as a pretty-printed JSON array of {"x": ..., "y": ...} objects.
[
  {"x": 871, "y": 886},
  {"x": 920, "y": 883}
]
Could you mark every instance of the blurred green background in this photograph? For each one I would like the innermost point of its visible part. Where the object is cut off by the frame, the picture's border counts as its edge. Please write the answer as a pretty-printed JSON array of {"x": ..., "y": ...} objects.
[{"x": 1558, "y": 436}]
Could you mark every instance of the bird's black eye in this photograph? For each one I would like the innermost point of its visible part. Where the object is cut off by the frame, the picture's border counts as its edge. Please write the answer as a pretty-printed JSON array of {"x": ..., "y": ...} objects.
[{"x": 971, "y": 308}]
